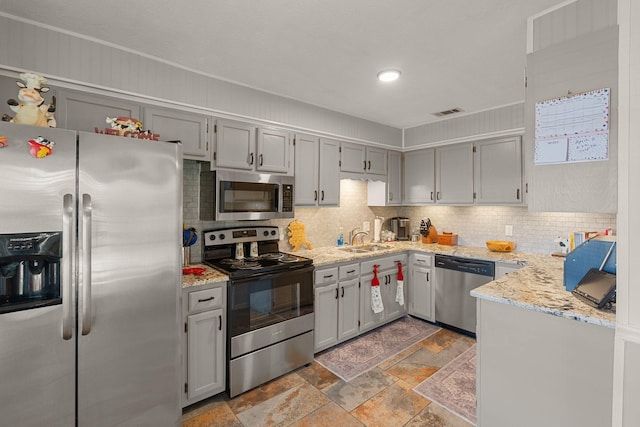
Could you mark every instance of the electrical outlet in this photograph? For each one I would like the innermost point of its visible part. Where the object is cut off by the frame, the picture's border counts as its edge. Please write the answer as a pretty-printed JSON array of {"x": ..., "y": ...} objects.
[
  {"x": 366, "y": 226},
  {"x": 508, "y": 230}
]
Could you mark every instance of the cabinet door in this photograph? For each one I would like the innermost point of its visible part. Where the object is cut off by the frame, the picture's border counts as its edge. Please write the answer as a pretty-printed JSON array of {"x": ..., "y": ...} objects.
[
  {"x": 454, "y": 174},
  {"x": 348, "y": 314},
  {"x": 420, "y": 293},
  {"x": 352, "y": 158},
  {"x": 189, "y": 128},
  {"x": 329, "y": 177},
  {"x": 394, "y": 178},
  {"x": 376, "y": 161},
  {"x": 78, "y": 111},
  {"x": 326, "y": 316},
  {"x": 369, "y": 319},
  {"x": 306, "y": 170},
  {"x": 419, "y": 177},
  {"x": 392, "y": 308},
  {"x": 273, "y": 150},
  {"x": 206, "y": 357},
  {"x": 235, "y": 142},
  {"x": 498, "y": 171}
]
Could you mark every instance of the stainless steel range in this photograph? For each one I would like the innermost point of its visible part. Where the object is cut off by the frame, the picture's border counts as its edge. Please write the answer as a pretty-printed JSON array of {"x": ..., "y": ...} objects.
[{"x": 269, "y": 305}]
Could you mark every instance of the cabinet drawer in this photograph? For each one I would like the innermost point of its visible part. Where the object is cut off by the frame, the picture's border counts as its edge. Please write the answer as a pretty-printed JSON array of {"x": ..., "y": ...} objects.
[
  {"x": 385, "y": 263},
  {"x": 206, "y": 299},
  {"x": 350, "y": 271},
  {"x": 422, "y": 260},
  {"x": 324, "y": 276}
]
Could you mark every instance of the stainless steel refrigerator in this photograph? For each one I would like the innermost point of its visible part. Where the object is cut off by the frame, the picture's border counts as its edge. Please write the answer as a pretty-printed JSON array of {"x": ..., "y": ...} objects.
[{"x": 90, "y": 232}]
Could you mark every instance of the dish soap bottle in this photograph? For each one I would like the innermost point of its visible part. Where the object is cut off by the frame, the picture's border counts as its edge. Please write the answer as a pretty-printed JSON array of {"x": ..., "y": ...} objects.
[{"x": 341, "y": 237}]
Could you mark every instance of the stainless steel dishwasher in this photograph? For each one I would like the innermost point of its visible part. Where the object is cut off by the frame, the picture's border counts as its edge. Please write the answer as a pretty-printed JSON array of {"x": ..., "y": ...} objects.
[{"x": 455, "y": 278}]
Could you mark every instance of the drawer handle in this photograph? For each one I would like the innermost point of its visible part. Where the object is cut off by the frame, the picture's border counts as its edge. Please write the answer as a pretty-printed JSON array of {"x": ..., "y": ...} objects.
[
  {"x": 328, "y": 277},
  {"x": 206, "y": 299},
  {"x": 351, "y": 271}
]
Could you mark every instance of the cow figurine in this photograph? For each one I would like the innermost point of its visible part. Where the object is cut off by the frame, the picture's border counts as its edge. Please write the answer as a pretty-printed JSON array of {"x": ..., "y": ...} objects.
[{"x": 30, "y": 108}]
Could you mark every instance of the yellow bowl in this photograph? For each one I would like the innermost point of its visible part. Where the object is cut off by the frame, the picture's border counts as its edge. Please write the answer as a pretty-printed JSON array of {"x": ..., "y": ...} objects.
[{"x": 500, "y": 245}]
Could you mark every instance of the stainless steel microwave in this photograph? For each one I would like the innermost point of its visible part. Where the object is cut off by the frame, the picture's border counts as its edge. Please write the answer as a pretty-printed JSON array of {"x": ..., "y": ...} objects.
[{"x": 237, "y": 196}]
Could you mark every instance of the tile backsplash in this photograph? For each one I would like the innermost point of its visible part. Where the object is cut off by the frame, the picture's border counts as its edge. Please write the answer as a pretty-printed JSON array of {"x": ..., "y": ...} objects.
[{"x": 532, "y": 231}]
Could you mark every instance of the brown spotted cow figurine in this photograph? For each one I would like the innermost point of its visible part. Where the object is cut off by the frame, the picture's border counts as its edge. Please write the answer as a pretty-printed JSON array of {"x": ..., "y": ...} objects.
[{"x": 30, "y": 108}]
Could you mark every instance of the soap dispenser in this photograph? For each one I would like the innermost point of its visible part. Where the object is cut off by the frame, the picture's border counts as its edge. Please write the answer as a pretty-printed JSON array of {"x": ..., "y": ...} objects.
[{"x": 341, "y": 237}]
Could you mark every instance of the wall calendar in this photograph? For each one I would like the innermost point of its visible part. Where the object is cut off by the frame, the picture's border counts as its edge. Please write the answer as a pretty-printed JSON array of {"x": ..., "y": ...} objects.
[{"x": 573, "y": 128}]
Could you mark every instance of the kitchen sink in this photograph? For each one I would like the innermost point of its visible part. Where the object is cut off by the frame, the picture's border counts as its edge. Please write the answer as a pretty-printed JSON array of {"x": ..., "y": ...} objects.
[{"x": 364, "y": 248}]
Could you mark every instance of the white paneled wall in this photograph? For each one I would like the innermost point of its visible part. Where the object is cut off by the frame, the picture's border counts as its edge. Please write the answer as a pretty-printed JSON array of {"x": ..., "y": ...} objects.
[
  {"x": 571, "y": 21},
  {"x": 68, "y": 59},
  {"x": 496, "y": 122}
]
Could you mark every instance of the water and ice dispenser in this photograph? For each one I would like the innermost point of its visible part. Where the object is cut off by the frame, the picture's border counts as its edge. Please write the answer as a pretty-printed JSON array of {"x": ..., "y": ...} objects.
[{"x": 29, "y": 270}]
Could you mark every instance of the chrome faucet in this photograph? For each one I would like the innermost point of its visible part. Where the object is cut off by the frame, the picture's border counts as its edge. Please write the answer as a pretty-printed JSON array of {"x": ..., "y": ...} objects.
[{"x": 354, "y": 235}]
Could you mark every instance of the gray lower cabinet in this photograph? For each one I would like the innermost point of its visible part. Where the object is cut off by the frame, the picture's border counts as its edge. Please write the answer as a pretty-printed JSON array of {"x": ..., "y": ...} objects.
[
  {"x": 204, "y": 341},
  {"x": 191, "y": 129},
  {"x": 421, "y": 289},
  {"x": 504, "y": 268},
  {"x": 388, "y": 278},
  {"x": 336, "y": 305}
]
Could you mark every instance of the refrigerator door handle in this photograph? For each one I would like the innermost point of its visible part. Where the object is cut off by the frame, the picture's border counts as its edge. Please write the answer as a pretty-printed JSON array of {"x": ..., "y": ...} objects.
[
  {"x": 86, "y": 264},
  {"x": 67, "y": 266}
]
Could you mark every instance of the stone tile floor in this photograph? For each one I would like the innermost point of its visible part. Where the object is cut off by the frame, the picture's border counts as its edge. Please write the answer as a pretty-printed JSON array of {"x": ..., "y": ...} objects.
[{"x": 313, "y": 396}]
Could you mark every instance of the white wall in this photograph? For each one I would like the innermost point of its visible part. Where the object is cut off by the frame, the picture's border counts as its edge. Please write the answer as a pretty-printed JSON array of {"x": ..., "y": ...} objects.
[
  {"x": 71, "y": 60},
  {"x": 626, "y": 386}
]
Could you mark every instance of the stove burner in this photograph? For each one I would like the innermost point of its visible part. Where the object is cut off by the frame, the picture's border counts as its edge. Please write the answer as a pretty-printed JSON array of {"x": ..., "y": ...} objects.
[
  {"x": 289, "y": 258},
  {"x": 272, "y": 255},
  {"x": 247, "y": 265}
]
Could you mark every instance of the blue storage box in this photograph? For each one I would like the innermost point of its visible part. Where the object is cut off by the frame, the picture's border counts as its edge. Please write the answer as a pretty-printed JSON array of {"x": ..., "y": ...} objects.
[{"x": 589, "y": 254}]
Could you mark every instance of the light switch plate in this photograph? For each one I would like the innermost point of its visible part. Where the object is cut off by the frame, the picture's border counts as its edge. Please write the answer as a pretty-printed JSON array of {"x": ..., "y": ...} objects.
[
  {"x": 366, "y": 226},
  {"x": 508, "y": 230}
]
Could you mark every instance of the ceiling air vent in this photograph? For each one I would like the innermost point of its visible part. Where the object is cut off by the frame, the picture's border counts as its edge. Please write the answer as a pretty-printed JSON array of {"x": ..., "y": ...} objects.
[{"x": 447, "y": 112}]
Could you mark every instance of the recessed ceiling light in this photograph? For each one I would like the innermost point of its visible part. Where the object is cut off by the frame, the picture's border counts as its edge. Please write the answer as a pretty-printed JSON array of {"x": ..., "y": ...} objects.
[{"x": 388, "y": 75}]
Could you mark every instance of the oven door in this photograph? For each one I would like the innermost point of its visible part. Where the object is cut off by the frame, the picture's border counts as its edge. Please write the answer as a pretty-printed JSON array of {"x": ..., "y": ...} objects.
[{"x": 257, "y": 304}]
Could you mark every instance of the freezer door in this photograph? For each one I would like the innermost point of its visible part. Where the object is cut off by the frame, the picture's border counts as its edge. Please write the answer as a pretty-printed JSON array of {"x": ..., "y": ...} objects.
[
  {"x": 37, "y": 366},
  {"x": 130, "y": 225}
]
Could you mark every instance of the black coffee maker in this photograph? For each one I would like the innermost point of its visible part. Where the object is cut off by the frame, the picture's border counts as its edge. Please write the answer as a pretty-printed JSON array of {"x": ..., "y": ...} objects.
[{"x": 29, "y": 270}]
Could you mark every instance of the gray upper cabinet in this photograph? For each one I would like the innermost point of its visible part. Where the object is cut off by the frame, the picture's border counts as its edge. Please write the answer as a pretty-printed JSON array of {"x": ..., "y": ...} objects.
[
  {"x": 273, "y": 150},
  {"x": 419, "y": 177},
  {"x": 394, "y": 178},
  {"x": 498, "y": 171},
  {"x": 389, "y": 193},
  {"x": 247, "y": 147},
  {"x": 356, "y": 158},
  {"x": 454, "y": 174},
  {"x": 85, "y": 112},
  {"x": 317, "y": 171},
  {"x": 189, "y": 128},
  {"x": 235, "y": 145},
  {"x": 329, "y": 171}
]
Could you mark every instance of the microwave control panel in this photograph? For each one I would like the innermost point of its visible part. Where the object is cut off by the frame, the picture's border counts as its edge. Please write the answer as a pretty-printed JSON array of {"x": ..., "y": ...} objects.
[{"x": 287, "y": 198}]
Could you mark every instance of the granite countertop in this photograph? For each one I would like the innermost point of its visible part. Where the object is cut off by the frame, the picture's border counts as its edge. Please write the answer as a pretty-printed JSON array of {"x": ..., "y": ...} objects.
[
  {"x": 211, "y": 275},
  {"x": 538, "y": 286}
]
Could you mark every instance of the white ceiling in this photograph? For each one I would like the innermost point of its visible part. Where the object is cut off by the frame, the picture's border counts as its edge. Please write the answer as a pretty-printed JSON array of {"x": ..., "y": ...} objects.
[{"x": 468, "y": 54}]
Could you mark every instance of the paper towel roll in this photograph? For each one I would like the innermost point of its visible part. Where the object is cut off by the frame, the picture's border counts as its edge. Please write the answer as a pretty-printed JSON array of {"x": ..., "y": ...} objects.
[{"x": 377, "y": 228}]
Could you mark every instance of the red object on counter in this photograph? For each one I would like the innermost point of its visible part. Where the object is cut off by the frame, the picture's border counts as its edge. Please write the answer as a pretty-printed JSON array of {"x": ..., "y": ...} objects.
[{"x": 198, "y": 271}]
